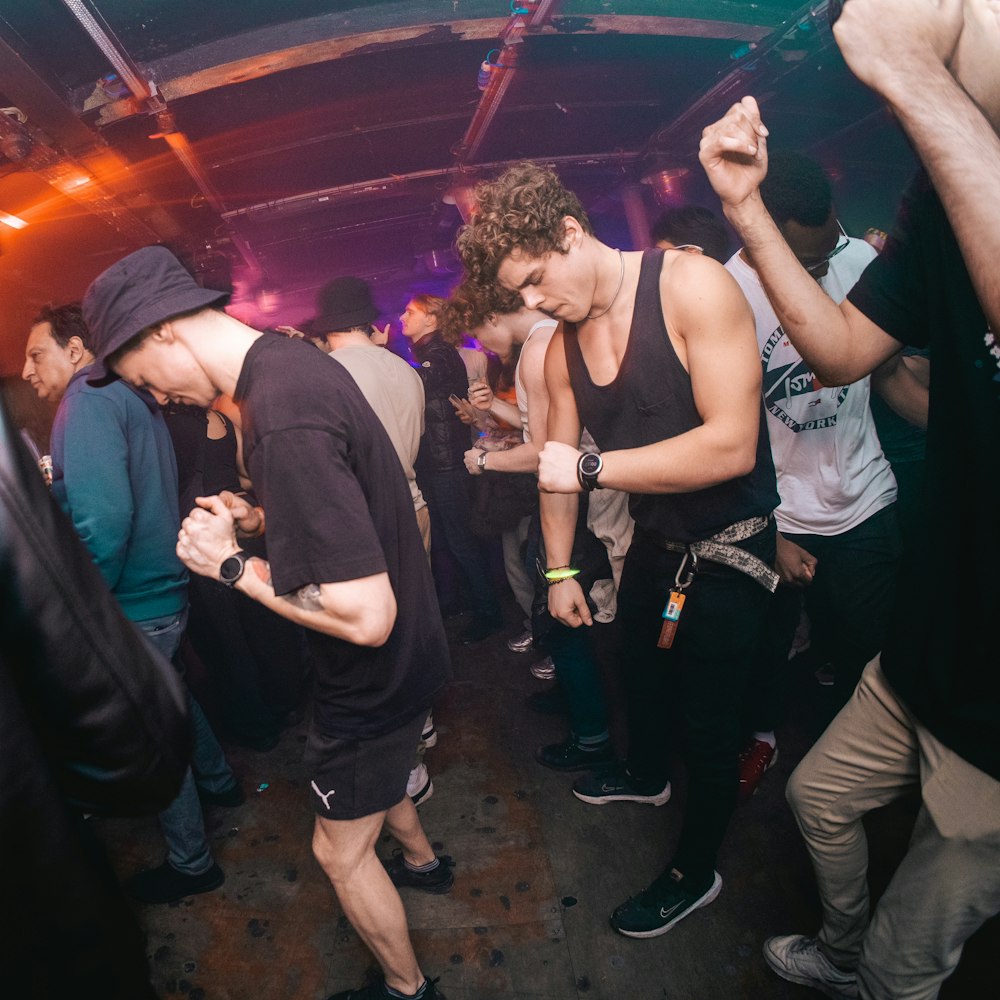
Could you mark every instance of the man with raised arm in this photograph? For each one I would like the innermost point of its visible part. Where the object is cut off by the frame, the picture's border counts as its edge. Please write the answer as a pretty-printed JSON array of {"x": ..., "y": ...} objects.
[
  {"x": 345, "y": 560},
  {"x": 924, "y": 717},
  {"x": 658, "y": 359}
]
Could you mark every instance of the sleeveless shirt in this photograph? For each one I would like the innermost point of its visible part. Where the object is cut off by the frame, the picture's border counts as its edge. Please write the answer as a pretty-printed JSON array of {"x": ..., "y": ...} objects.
[{"x": 650, "y": 400}]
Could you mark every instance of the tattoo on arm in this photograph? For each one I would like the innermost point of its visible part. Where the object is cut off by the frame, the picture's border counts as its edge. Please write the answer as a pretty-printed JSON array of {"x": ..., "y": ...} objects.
[{"x": 308, "y": 598}]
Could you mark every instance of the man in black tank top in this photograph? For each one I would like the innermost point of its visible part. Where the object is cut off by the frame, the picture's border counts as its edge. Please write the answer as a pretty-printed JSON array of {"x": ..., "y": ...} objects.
[{"x": 658, "y": 359}]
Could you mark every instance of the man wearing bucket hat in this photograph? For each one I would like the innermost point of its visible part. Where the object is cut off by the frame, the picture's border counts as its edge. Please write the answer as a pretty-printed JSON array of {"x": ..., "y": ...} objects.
[
  {"x": 114, "y": 474},
  {"x": 345, "y": 560}
]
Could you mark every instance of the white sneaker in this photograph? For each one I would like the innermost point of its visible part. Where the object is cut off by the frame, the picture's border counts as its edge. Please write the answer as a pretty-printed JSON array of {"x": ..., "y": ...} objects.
[
  {"x": 429, "y": 735},
  {"x": 544, "y": 670},
  {"x": 419, "y": 785},
  {"x": 798, "y": 959}
]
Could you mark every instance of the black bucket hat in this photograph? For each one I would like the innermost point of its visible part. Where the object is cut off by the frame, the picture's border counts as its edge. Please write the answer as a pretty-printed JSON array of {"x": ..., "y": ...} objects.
[
  {"x": 343, "y": 304},
  {"x": 147, "y": 287}
]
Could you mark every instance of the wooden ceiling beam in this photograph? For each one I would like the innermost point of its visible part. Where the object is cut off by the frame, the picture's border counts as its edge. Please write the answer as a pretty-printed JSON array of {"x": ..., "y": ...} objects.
[{"x": 176, "y": 78}]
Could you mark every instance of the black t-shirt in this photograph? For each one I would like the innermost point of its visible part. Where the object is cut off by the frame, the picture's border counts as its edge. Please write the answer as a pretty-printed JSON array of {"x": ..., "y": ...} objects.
[
  {"x": 941, "y": 655},
  {"x": 339, "y": 508}
]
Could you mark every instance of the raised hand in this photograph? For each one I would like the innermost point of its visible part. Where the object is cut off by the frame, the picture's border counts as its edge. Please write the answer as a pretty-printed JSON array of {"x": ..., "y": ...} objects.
[
  {"x": 888, "y": 43},
  {"x": 733, "y": 153}
]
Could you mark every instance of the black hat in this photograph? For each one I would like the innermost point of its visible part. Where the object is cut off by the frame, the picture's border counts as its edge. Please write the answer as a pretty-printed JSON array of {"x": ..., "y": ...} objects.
[
  {"x": 343, "y": 304},
  {"x": 147, "y": 287}
]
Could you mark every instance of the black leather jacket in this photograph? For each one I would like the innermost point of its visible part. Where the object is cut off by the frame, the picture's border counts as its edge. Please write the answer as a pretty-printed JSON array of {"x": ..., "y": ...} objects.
[
  {"x": 89, "y": 716},
  {"x": 446, "y": 439}
]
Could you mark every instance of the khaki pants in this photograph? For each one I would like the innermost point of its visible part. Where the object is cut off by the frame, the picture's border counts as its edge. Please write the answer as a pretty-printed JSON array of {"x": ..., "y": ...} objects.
[
  {"x": 948, "y": 883},
  {"x": 424, "y": 524}
]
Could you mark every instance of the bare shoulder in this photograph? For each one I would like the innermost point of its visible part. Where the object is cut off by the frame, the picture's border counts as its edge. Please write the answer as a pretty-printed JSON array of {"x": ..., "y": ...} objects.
[
  {"x": 693, "y": 286},
  {"x": 533, "y": 351},
  {"x": 681, "y": 269}
]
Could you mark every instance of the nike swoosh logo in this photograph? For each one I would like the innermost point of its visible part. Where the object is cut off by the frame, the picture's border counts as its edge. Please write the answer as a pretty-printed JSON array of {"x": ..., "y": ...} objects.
[{"x": 667, "y": 914}]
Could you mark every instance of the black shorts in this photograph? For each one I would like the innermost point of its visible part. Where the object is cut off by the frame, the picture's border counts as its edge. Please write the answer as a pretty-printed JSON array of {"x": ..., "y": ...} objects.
[{"x": 354, "y": 778}]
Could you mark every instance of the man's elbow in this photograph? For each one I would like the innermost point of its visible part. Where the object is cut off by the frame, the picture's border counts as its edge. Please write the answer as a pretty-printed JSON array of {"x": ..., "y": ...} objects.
[{"x": 372, "y": 626}]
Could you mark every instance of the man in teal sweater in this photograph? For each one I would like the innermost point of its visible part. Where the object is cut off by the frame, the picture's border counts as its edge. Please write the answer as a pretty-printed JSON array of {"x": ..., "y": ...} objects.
[{"x": 115, "y": 475}]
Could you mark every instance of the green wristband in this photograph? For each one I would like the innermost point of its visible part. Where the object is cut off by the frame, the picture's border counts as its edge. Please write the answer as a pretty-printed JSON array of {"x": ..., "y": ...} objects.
[{"x": 560, "y": 573}]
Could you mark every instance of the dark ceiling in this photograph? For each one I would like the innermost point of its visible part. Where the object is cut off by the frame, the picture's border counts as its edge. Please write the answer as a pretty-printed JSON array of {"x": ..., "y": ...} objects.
[{"x": 284, "y": 142}]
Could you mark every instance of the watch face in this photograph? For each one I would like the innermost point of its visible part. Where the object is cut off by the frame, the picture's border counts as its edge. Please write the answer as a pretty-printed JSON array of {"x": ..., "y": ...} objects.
[
  {"x": 231, "y": 569},
  {"x": 591, "y": 465}
]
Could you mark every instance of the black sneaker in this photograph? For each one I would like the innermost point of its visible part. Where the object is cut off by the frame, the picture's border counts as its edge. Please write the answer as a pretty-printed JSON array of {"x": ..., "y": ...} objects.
[
  {"x": 167, "y": 885},
  {"x": 615, "y": 784},
  {"x": 376, "y": 991},
  {"x": 572, "y": 756},
  {"x": 437, "y": 881},
  {"x": 656, "y": 909}
]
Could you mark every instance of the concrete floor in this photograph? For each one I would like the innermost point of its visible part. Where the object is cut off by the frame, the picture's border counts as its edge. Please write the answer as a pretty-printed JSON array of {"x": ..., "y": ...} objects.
[{"x": 537, "y": 873}]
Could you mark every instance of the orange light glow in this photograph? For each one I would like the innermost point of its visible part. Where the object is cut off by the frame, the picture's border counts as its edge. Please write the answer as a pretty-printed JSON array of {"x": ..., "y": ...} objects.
[
  {"x": 72, "y": 182},
  {"x": 12, "y": 220}
]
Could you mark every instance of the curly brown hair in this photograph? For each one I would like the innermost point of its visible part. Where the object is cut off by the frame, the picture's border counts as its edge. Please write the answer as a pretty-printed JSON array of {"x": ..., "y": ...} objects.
[
  {"x": 523, "y": 209},
  {"x": 470, "y": 305}
]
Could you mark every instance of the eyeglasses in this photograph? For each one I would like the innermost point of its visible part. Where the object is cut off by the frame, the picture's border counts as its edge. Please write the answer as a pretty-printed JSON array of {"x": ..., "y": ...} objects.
[{"x": 814, "y": 265}]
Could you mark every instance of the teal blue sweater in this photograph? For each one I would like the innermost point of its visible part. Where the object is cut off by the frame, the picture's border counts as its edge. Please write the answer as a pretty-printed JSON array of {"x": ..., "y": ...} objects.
[{"x": 115, "y": 475}]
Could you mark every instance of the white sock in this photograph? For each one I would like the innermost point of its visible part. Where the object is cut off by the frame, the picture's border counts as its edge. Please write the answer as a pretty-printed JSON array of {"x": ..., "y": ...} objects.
[{"x": 767, "y": 738}]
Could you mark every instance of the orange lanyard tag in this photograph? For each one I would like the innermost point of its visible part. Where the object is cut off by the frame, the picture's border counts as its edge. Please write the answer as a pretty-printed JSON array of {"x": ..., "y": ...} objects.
[{"x": 671, "y": 618}]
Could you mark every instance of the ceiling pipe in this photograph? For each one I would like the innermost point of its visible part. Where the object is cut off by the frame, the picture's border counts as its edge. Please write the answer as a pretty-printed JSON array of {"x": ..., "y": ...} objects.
[
  {"x": 500, "y": 78},
  {"x": 144, "y": 92},
  {"x": 380, "y": 185},
  {"x": 92, "y": 21}
]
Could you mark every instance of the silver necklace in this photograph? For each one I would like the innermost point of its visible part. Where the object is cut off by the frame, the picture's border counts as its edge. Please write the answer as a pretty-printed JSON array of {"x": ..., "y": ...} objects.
[{"x": 621, "y": 278}]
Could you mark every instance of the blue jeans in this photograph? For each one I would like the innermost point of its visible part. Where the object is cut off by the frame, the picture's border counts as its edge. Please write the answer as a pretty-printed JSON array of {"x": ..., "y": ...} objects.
[
  {"x": 447, "y": 495},
  {"x": 182, "y": 821}
]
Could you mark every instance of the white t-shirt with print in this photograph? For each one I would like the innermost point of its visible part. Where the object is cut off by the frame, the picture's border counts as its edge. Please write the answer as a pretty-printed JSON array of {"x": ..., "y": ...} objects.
[{"x": 831, "y": 472}]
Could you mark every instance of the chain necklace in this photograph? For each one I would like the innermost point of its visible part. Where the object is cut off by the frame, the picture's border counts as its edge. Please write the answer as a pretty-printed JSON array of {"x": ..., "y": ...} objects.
[{"x": 621, "y": 278}]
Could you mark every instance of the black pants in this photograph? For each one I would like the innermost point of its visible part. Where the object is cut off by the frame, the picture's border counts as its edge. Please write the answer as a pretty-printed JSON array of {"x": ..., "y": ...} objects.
[
  {"x": 848, "y": 602},
  {"x": 700, "y": 681}
]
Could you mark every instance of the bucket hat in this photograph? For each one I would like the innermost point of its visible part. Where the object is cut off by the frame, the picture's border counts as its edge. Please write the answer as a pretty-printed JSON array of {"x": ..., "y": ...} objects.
[
  {"x": 343, "y": 304},
  {"x": 147, "y": 287}
]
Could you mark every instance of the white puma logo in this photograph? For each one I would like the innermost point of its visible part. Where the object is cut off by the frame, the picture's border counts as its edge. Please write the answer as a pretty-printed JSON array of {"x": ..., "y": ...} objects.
[{"x": 326, "y": 797}]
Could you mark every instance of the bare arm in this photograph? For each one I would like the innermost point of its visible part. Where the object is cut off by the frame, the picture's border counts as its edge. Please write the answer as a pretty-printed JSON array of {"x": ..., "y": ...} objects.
[
  {"x": 902, "y": 49},
  {"x": 362, "y": 611},
  {"x": 713, "y": 326},
  {"x": 520, "y": 458},
  {"x": 482, "y": 397},
  {"x": 897, "y": 384},
  {"x": 523, "y": 458},
  {"x": 559, "y": 510},
  {"x": 839, "y": 343}
]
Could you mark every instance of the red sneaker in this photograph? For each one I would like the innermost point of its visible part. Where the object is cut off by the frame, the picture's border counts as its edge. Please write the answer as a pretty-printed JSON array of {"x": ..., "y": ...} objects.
[{"x": 755, "y": 758}]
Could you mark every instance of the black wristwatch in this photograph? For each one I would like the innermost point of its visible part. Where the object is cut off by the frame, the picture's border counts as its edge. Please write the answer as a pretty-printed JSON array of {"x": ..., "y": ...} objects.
[
  {"x": 232, "y": 568},
  {"x": 588, "y": 468}
]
